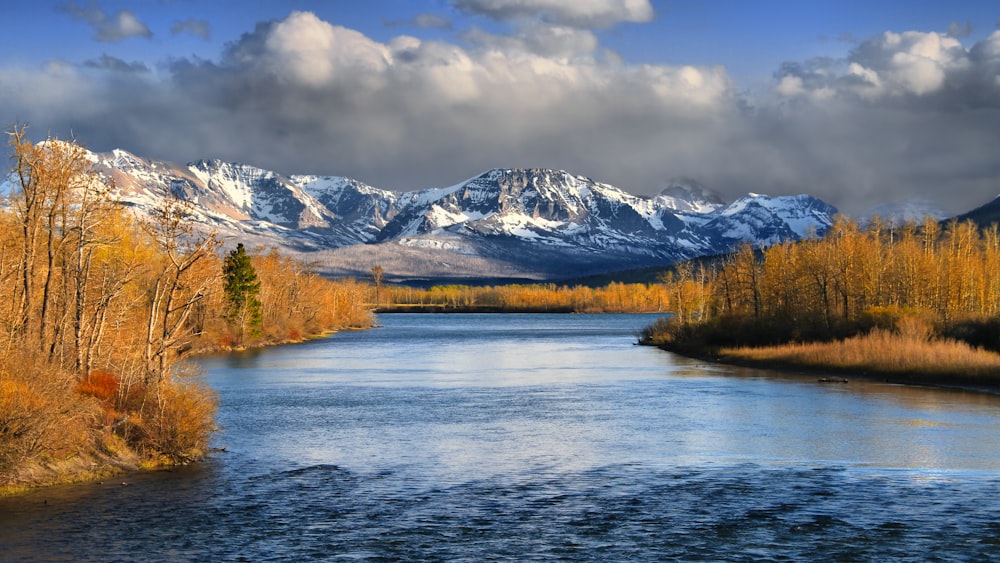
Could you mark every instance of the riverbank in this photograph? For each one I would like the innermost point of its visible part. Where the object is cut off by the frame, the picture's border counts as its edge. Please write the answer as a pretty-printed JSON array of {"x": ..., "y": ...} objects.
[
  {"x": 878, "y": 356},
  {"x": 85, "y": 467},
  {"x": 265, "y": 343},
  {"x": 107, "y": 455}
]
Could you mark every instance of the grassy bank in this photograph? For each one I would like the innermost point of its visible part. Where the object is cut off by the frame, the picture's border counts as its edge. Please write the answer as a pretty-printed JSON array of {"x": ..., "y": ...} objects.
[{"x": 880, "y": 355}]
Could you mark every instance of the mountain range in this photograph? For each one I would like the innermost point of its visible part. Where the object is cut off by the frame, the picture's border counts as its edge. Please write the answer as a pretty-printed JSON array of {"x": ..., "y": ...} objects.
[{"x": 512, "y": 224}]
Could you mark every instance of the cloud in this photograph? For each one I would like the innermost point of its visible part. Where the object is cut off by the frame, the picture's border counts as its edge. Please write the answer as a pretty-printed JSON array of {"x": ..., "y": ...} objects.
[
  {"x": 305, "y": 50},
  {"x": 114, "y": 64},
  {"x": 959, "y": 30},
  {"x": 424, "y": 21},
  {"x": 580, "y": 13},
  {"x": 910, "y": 68},
  {"x": 539, "y": 38},
  {"x": 904, "y": 114},
  {"x": 200, "y": 28},
  {"x": 108, "y": 28}
]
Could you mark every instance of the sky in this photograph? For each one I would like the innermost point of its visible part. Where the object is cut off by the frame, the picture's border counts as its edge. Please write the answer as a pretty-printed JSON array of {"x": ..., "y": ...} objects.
[{"x": 857, "y": 102}]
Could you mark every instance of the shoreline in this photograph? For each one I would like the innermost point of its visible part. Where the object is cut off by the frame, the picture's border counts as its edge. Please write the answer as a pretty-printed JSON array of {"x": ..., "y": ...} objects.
[
  {"x": 94, "y": 467},
  {"x": 836, "y": 374},
  {"x": 467, "y": 309},
  {"x": 209, "y": 350}
]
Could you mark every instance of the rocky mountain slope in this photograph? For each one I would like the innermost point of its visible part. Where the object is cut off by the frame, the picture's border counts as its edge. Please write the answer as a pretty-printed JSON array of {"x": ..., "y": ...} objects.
[{"x": 985, "y": 215}]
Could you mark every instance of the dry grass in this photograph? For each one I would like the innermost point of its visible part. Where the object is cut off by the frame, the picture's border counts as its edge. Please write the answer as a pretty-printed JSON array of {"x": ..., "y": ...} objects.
[{"x": 880, "y": 351}]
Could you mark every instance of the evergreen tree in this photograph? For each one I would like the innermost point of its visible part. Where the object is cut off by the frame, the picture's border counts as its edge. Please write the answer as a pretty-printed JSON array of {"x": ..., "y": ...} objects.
[{"x": 242, "y": 288}]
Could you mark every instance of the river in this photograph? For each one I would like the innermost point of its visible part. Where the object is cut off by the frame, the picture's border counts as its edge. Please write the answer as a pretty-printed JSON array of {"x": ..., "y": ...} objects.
[{"x": 540, "y": 437}]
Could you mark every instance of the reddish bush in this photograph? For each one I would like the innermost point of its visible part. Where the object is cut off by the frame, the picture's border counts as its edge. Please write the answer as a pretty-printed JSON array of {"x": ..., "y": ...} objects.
[{"x": 100, "y": 384}]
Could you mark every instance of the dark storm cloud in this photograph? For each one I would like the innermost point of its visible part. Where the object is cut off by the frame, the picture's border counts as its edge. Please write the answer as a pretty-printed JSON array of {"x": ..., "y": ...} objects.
[
  {"x": 108, "y": 28},
  {"x": 904, "y": 115}
]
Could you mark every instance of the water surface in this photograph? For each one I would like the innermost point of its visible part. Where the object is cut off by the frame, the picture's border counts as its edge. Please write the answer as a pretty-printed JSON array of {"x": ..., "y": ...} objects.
[{"x": 541, "y": 437}]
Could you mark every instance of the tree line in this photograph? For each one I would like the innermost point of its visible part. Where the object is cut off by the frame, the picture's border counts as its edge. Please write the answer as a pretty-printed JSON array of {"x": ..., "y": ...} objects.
[
  {"x": 548, "y": 297},
  {"x": 101, "y": 308},
  {"x": 945, "y": 277}
]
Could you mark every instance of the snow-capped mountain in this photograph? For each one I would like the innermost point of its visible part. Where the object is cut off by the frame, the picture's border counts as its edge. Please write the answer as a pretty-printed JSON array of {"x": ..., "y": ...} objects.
[
  {"x": 529, "y": 223},
  {"x": 519, "y": 213},
  {"x": 766, "y": 220}
]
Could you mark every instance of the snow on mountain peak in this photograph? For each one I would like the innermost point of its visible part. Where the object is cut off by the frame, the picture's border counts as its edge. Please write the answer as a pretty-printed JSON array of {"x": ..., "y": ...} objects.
[{"x": 689, "y": 196}]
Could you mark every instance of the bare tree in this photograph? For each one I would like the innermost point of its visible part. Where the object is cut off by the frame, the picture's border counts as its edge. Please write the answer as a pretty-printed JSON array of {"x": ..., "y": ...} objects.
[
  {"x": 176, "y": 285},
  {"x": 378, "y": 277}
]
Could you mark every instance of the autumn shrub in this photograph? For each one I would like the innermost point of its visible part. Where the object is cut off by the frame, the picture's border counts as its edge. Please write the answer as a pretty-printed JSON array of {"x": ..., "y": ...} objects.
[
  {"x": 100, "y": 384},
  {"x": 226, "y": 341},
  {"x": 21, "y": 431},
  {"x": 908, "y": 322},
  {"x": 42, "y": 417},
  {"x": 178, "y": 418},
  {"x": 913, "y": 328},
  {"x": 732, "y": 330},
  {"x": 661, "y": 331},
  {"x": 94, "y": 327}
]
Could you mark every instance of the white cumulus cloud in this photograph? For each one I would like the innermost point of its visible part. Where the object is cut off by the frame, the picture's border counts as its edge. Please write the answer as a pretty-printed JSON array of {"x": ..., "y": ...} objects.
[{"x": 908, "y": 113}]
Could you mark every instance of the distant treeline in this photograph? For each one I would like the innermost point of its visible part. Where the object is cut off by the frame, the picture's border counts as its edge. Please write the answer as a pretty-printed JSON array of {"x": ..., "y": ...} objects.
[
  {"x": 613, "y": 298},
  {"x": 100, "y": 308}
]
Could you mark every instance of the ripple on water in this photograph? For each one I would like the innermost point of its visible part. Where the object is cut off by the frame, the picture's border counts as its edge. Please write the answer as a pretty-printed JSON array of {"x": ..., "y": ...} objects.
[
  {"x": 617, "y": 512},
  {"x": 623, "y": 512}
]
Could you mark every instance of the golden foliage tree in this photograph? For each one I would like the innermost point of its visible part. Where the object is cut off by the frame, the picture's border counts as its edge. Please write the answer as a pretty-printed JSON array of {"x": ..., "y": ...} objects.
[{"x": 853, "y": 279}]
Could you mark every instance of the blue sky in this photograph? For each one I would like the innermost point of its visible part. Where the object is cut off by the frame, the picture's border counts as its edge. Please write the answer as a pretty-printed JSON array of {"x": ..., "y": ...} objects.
[{"x": 858, "y": 102}]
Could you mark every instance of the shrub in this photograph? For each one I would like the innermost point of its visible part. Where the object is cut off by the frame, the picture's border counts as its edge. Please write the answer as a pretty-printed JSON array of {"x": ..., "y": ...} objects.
[
  {"x": 982, "y": 333},
  {"x": 42, "y": 417},
  {"x": 178, "y": 418},
  {"x": 100, "y": 384}
]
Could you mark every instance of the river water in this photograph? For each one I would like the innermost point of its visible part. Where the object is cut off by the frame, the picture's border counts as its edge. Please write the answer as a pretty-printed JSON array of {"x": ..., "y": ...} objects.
[{"x": 540, "y": 437}]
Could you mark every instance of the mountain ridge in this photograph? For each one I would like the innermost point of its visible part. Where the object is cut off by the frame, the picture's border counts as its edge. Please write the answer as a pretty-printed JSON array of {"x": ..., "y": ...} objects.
[{"x": 530, "y": 223}]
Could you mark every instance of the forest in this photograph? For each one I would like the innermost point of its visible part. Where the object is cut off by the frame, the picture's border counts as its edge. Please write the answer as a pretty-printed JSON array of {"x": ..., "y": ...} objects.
[
  {"x": 101, "y": 309},
  {"x": 899, "y": 291}
]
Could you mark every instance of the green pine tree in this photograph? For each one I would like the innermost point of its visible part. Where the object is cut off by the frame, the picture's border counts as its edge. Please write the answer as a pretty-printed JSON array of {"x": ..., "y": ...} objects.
[{"x": 242, "y": 291}]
